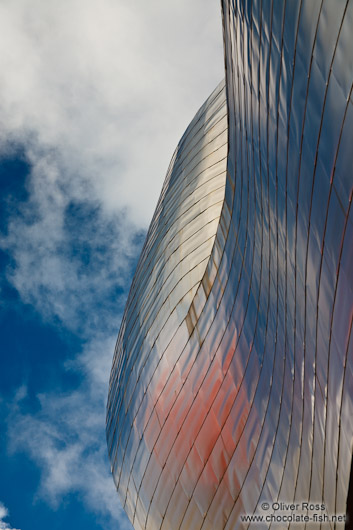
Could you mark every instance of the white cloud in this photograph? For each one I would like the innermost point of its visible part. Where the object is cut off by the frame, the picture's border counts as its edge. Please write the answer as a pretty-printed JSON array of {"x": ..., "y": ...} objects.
[
  {"x": 4, "y": 513},
  {"x": 69, "y": 256},
  {"x": 108, "y": 87}
]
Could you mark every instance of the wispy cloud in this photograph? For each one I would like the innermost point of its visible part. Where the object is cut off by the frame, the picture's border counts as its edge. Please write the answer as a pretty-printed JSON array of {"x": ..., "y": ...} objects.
[
  {"x": 96, "y": 94},
  {"x": 4, "y": 513},
  {"x": 68, "y": 256},
  {"x": 65, "y": 437}
]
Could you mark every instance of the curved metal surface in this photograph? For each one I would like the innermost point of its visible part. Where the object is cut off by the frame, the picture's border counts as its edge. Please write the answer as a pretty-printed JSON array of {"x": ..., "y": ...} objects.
[
  {"x": 232, "y": 381},
  {"x": 147, "y": 369}
]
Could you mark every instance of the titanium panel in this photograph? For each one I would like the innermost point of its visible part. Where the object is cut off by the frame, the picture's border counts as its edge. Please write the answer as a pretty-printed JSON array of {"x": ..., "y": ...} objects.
[{"x": 152, "y": 351}]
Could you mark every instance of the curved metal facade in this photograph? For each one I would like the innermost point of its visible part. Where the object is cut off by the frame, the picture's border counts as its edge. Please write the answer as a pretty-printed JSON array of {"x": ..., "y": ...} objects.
[
  {"x": 149, "y": 365},
  {"x": 238, "y": 389}
]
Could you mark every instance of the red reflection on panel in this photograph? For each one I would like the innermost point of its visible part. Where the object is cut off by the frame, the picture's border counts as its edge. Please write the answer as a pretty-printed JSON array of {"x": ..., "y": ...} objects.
[{"x": 189, "y": 436}]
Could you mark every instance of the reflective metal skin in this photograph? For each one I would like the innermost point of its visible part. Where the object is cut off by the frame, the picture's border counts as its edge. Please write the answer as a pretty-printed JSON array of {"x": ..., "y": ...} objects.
[
  {"x": 232, "y": 380},
  {"x": 153, "y": 351}
]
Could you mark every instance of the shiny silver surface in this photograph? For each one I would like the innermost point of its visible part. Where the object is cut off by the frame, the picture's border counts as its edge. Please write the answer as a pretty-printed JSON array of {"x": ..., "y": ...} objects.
[
  {"x": 150, "y": 363},
  {"x": 232, "y": 377}
]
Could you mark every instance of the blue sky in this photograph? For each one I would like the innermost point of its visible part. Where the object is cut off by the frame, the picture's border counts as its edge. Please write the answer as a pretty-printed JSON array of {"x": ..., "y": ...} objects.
[{"x": 93, "y": 99}]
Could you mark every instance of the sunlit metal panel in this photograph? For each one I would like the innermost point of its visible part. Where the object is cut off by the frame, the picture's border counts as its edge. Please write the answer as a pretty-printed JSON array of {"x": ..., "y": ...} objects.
[{"x": 149, "y": 368}]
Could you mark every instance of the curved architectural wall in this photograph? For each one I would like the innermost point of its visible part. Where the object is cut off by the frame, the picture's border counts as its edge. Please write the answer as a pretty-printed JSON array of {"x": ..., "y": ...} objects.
[
  {"x": 245, "y": 396},
  {"x": 155, "y": 324},
  {"x": 289, "y": 86}
]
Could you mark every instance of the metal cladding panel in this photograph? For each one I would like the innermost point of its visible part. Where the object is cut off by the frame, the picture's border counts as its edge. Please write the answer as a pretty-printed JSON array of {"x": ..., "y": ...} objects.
[
  {"x": 232, "y": 378},
  {"x": 153, "y": 352}
]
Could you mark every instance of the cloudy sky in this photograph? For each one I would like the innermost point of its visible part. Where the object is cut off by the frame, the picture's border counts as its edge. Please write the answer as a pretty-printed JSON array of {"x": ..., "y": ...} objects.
[{"x": 94, "y": 96}]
